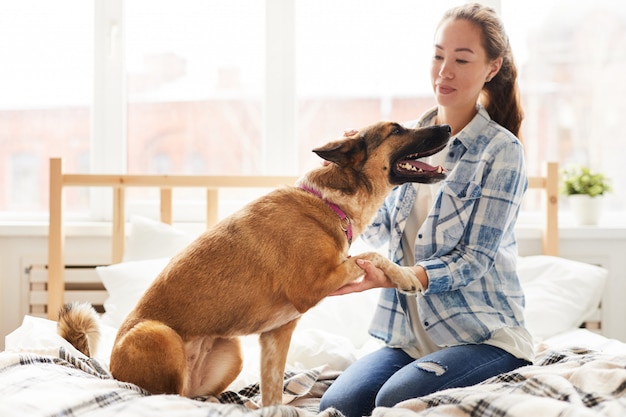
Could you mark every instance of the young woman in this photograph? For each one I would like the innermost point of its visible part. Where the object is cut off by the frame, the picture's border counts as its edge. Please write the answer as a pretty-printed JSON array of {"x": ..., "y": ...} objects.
[{"x": 467, "y": 323}]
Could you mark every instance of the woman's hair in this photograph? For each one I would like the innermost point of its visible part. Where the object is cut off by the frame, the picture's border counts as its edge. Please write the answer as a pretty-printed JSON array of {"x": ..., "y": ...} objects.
[{"x": 500, "y": 96}]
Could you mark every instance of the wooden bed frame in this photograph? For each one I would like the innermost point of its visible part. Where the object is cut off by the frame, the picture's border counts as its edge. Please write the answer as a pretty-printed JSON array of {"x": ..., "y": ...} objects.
[{"x": 57, "y": 293}]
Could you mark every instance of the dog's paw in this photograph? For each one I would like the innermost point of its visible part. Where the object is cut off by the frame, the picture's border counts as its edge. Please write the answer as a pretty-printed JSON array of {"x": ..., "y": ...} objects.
[
  {"x": 406, "y": 280},
  {"x": 408, "y": 291}
]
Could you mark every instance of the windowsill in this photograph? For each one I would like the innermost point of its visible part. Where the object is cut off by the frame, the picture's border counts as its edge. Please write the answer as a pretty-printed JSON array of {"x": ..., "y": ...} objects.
[
  {"x": 18, "y": 228},
  {"x": 611, "y": 226}
]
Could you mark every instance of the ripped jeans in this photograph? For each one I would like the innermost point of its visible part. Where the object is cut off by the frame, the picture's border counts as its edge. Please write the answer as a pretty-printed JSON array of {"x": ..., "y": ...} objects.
[{"x": 388, "y": 376}]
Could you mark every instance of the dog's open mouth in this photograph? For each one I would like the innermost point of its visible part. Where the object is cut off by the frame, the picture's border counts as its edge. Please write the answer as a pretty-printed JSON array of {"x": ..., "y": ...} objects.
[
  {"x": 414, "y": 170},
  {"x": 416, "y": 166}
]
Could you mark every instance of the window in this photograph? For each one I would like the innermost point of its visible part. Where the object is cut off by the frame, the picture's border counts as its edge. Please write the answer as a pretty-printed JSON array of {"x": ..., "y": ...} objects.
[
  {"x": 45, "y": 96},
  {"x": 250, "y": 87},
  {"x": 195, "y": 81},
  {"x": 24, "y": 193},
  {"x": 571, "y": 59}
]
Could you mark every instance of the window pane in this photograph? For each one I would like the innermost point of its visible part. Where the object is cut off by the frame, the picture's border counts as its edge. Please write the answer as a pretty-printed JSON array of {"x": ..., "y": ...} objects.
[
  {"x": 195, "y": 84},
  {"x": 46, "y": 82},
  {"x": 358, "y": 62},
  {"x": 572, "y": 57}
]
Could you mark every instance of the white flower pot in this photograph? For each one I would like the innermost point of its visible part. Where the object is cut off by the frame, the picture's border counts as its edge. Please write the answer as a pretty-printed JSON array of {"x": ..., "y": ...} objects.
[{"x": 586, "y": 209}]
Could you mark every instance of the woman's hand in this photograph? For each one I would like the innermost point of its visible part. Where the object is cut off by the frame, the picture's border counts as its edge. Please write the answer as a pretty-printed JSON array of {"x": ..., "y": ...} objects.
[
  {"x": 376, "y": 278},
  {"x": 373, "y": 278}
]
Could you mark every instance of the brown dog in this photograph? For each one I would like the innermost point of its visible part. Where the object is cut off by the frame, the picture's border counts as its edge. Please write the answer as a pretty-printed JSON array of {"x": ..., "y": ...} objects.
[{"x": 260, "y": 269}]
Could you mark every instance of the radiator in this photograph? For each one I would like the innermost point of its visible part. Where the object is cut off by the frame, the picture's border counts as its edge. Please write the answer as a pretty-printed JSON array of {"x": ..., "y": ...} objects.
[{"x": 81, "y": 284}]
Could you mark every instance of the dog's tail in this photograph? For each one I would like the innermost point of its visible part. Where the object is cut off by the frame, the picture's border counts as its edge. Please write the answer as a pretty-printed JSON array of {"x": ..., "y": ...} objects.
[{"x": 78, "y": 324}]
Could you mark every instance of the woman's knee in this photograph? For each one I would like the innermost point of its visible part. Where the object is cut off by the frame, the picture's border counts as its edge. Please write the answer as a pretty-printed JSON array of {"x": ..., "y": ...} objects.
[
  {"x": 403, "y": 387},
  {"x": 388, "y": 398},
  {"x": 414, "y": 380},
  {"x": 354, "y": 392},
  {"x": 331, "y": 400},
  {"x": 349, "y": 404},
  {"x": 349, "y": 394}
]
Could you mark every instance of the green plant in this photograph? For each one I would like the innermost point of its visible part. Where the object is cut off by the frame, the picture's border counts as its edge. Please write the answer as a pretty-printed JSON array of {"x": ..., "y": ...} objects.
[{"x": 581, "y": 180}]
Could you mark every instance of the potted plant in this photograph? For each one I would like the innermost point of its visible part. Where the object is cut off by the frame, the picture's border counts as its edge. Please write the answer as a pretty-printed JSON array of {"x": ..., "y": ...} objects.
[{"x": 585, "y": 189}]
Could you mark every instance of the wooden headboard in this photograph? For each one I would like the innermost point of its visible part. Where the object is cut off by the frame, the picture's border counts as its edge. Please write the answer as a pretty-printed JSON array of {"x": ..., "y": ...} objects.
[{"x": 56, "y": 288}]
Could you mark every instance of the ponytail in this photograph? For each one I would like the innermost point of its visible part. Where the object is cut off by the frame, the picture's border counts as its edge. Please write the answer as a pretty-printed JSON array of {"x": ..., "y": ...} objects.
[{"x": 501, "y": 98}]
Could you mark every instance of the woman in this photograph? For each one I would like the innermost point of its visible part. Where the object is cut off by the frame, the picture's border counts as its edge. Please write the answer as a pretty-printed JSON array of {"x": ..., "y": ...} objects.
[{"x": 467, "y": 323}]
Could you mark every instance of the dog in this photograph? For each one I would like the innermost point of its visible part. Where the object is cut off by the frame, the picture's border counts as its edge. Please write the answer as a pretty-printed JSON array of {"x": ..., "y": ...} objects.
[{"x": 259, "y": 270}]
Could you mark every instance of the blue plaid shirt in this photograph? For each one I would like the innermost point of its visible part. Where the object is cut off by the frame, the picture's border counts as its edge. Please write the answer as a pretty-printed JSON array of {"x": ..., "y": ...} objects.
[{"x": 466, "y": 244}]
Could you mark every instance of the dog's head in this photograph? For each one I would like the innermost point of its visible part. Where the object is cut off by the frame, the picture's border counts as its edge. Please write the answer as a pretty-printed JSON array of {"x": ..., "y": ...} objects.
[{"x": 390, "y": 147}]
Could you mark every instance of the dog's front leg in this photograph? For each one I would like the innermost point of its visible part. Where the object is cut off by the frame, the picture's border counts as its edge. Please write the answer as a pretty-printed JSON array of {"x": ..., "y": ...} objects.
[{"x": 274, "y": 347}]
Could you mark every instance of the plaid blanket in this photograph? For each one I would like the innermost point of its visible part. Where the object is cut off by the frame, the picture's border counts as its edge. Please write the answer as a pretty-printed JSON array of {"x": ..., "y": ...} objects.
[
  {"x": 568, "y": 383},
  {"x": 560, "y": 383},
  {"x": 36, "y": 385}
]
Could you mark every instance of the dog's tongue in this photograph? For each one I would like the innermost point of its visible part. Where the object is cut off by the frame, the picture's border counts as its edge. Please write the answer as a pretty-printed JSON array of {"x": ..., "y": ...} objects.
[{"x": 419, "y": 166}]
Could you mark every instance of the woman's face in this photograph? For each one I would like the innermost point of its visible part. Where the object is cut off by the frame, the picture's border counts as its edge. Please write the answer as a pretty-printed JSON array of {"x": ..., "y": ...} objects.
[{"x": 460, "y": 66}]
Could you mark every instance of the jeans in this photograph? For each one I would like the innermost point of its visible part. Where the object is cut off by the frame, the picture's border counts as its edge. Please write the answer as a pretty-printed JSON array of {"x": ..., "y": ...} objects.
[{"x": 389, "y": 376}]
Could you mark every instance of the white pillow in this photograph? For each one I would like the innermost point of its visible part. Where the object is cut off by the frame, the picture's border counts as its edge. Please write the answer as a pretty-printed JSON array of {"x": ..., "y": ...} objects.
[
  {"x": 347, "y": 316},
  {"x": 560, "y": 293},
  {"x": 126, "y": 282},
  {"x": 39, "y": 335},
  {"x": 151, "y": 239},
  {"x": 334, "y": 332}
]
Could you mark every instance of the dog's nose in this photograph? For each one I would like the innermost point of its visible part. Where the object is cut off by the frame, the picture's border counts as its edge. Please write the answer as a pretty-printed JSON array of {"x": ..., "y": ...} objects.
[{"x": 448, "y": 127}]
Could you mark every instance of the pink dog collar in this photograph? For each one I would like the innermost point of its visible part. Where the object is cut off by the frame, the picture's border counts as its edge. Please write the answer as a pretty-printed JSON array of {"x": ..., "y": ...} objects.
[{"x": 344, "y": 218}]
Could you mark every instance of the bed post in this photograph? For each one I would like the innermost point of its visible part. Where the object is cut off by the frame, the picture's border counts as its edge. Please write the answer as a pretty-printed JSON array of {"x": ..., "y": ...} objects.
[
  {"x": 550, "y": 238},
  {"x": 56, "y": 241},
  {"x": 119, "y": 222},
  {"x": 212, "y": 207},
  {"x": 166, "y": 205}
]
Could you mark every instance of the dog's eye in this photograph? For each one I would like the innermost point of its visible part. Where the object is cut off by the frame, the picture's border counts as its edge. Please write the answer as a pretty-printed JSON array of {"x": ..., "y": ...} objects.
[{"x": 397, "y": 129}]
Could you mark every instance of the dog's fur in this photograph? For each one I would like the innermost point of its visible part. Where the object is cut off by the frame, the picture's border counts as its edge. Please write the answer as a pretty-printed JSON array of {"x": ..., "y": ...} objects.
[{"x": 260, "y": 269}]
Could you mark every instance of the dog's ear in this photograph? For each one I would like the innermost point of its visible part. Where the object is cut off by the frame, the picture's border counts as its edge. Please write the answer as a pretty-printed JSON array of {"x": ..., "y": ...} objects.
[{"x": 342, "y": 152}]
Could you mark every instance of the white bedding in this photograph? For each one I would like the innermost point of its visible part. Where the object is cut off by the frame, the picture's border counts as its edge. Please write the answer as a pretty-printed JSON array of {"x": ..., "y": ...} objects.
[
  {"x": 42, "y": 375},
  {"x": 62, "y": 384}
]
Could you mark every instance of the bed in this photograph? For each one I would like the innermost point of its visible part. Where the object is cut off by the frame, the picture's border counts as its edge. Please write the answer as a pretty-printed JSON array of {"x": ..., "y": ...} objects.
[{"x": 577, "y": 371}]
